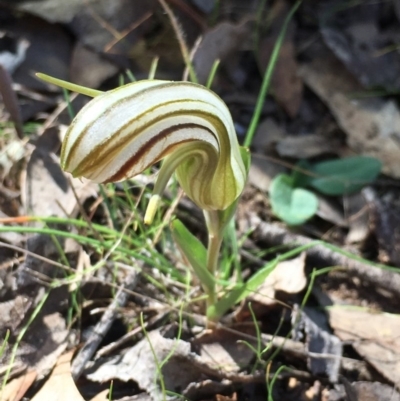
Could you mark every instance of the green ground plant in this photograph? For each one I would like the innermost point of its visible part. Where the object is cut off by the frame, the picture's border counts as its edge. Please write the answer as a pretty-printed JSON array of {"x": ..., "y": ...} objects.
[{"x": 293, "y": 203}]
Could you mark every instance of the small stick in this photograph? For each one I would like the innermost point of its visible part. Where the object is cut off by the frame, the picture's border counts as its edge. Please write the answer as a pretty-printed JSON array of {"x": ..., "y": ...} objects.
[
  {"x": 258, "y": 377},
  {"x": 297, "y": 350},
  {"x": 129, "y": 336},
  {"x": 276, "y": 235},
  {"x": 181, "y": 40},
  {"x": 102, "y": 327}
]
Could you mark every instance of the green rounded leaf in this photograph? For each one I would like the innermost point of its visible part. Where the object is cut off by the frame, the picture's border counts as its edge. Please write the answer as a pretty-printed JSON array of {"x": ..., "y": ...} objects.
[
  {"x": 292, "y": 205},
  {"x": 302, "y": 174},
  {"x": 343, "y": 176}
]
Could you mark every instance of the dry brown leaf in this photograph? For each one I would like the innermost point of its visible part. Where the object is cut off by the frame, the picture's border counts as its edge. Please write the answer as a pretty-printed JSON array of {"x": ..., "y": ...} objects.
[
  {"x": 262, "y": 172},
  {"x": 52, "y": 337},
  {"x": 368, "y": 391},
  {"x": 16, "y": 388},
  {"x": 47, "y": 189},
  {"x": 42, "y": 344},
  {"x": 10, "y": 155},
  {"x": 286, "y": 85},
  {"x": 217, "y": 44},
  {"x": 12, "y": 312},
  {"x": 222, "y": 350},
  {"x": 358, "y": 214},
  {"x": 60, "y": 386},
  {"x": 49, "y": 52},
  {"x": 267, "y": 134},
  {"x": 53, "y": 11},
  {"x": 374, "y": 336},
  {"x": 263, "y": 168},
  {"x": 375, "y": 391},
  {"x": 325, "y": 349},
  {"x": 372, "y": 126},
  {"x": 288, "y": 276},
  {"x": 306, "y": 146},
  {"x": 102, "y": 396},
  {"x": 88, "y": 68},
  {"x": 138, "y": 364},
  {"x": 330, "y": 211},
  {"x": 232, "y": 397},
  {"x": 385, "y": 223},
  {"x": 356, "y": 36}
]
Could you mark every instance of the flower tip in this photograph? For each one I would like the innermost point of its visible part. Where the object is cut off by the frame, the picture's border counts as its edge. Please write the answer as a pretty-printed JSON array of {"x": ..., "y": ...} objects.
[{"x": 152, "y": 208}]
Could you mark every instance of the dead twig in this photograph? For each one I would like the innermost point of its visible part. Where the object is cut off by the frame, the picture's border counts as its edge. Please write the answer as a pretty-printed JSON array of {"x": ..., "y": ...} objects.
[
  {"x": 102, "y": 327},
  {"x": 181, "y": 40},
  {"x": 195, "y": 16},
  {"x": 258, "y": 377},
  {"x": 125, "y": 32},
  {"x": 274, "y": 235},
  {"x": 149, "y": 325},
  {"x": 298, "y": 350}
]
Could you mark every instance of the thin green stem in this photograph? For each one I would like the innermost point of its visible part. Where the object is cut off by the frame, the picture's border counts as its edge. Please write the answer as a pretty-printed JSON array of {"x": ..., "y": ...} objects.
[
  {"x": 215, "y": 237},
  {"x": 153, "y": 68},
  {"x": 214, "y": 246},
  {"x": 213, "y": 71}
]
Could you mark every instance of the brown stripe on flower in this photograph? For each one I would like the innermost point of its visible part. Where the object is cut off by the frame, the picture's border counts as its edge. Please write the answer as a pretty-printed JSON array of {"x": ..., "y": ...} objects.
[
  {"x": 112, "y": 147},
  {"x": 122, "y": 172},
  {"x": 116, "y": 141},
  {"x": 125, "y": 99},
  {"x": 201, "y": 185}
]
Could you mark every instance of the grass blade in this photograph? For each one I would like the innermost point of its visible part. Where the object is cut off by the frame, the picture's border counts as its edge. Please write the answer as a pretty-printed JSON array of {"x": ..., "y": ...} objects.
[{"x": 268, "y": 76}]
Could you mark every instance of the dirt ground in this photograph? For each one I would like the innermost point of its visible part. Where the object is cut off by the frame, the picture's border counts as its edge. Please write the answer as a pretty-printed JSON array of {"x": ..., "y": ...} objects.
[{"x": 96, "y": 305}]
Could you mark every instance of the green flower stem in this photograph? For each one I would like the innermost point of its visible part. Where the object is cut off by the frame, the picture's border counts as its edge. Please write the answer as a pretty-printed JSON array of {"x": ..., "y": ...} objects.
[{"x": 215, "y": 228}]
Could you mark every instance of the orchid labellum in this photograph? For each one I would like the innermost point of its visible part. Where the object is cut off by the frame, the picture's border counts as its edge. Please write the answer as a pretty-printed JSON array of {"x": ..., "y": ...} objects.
[{"x": 122, "y": 132}]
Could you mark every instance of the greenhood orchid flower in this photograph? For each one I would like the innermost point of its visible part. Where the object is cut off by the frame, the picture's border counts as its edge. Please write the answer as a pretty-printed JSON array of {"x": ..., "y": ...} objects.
[{"x": 122, "y": 132}]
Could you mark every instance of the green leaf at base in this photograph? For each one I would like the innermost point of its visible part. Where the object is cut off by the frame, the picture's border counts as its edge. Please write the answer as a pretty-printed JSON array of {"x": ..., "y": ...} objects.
[
  {"x": 240, "y": 292},
  {"x": 194, "y": 251}
]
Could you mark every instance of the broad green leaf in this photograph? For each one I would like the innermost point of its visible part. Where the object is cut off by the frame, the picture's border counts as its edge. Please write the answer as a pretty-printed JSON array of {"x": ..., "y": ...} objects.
[
  {"x": 302, "y": 174},
  {"x": 292, "y": 205},
  {"x": 343, "y": 176},
  {"x": 194, "y": 251},
  {"x": 240, "y": 292}
]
